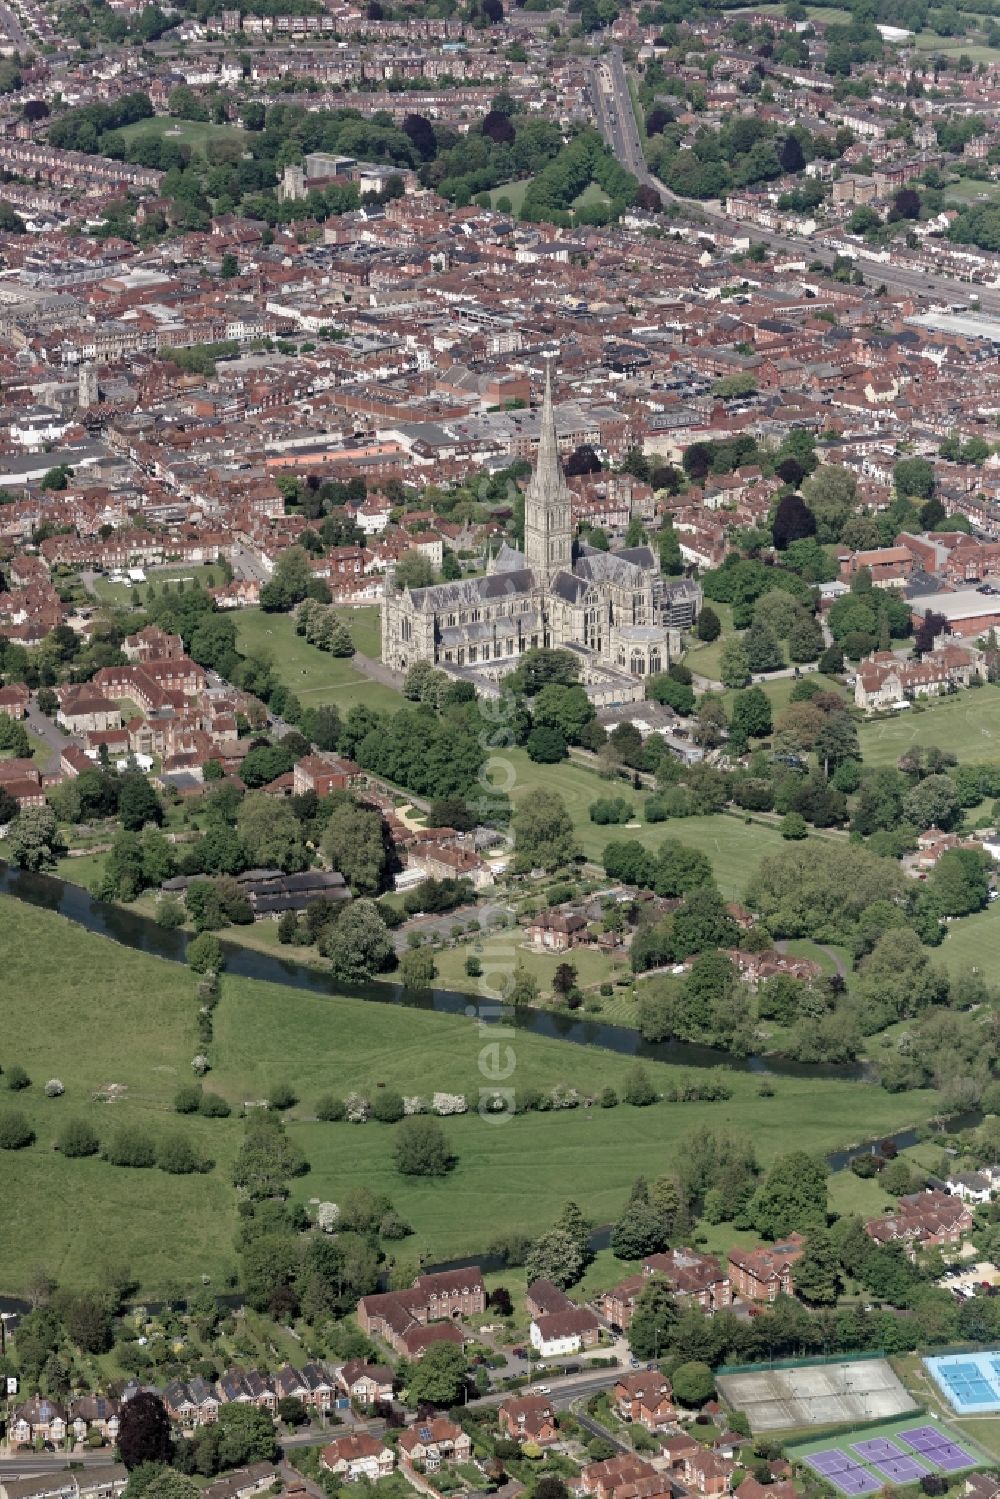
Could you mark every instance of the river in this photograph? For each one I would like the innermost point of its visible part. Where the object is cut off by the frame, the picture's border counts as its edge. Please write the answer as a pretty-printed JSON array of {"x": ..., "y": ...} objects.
[{"x": 142, "y": 933}]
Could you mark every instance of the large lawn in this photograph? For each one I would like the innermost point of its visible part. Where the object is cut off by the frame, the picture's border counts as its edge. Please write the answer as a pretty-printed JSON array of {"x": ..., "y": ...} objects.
[
  {"x": 315, "y": 676},
  {"x": 157, "y": 578},
  {"x": 194, "y": 133},
  {"x": 973, "y": 940},
  {"x": 85, "y": 1010},
  {"x": 967, "y": 723},
  {"x": 734, "y": 847}
]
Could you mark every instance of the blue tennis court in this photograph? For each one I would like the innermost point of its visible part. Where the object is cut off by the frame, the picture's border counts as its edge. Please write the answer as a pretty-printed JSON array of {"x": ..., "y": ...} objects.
[
  {"x": 970, "y": 1382},
  {"x": 843, "y": 1472}
]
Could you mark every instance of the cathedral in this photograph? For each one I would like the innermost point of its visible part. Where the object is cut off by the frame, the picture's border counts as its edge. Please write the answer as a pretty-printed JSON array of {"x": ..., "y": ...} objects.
[{"x": 613, "y": 608}]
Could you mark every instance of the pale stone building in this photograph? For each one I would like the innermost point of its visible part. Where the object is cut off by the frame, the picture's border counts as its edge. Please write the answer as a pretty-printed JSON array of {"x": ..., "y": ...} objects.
[{"x": 613, "y": 607}]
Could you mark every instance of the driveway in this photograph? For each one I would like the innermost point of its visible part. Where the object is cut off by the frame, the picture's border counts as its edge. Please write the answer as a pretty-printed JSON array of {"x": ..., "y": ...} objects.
[{"x": 48, "y": 731}]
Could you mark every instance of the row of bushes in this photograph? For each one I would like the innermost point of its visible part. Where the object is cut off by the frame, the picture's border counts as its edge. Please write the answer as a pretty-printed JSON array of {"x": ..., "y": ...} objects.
[{"x": 127, "y": 1146}]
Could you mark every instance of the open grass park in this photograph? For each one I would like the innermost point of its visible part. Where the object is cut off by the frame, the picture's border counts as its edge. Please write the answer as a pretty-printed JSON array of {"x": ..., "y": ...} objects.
[
  {"x": 194, "y": 133},
  {"x": 121, "y": 594},
  {"x": 966, "y": 723},
  {"x": 114, "y": 1015},
  {"x": 316, "y": 677}
]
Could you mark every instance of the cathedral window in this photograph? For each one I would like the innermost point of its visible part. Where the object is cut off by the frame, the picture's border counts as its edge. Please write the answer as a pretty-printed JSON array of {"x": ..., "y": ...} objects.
[{"x": 472, "y": 653}]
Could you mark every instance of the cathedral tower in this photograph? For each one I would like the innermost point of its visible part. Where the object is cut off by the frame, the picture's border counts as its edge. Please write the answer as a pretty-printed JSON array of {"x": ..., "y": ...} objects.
[{"x": 548, "y": 522}]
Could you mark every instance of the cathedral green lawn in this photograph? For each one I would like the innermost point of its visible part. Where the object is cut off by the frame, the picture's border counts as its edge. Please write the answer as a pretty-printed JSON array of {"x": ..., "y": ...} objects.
[
  {"x": 91, "y": 1012},
  {"x": 734, "y": 847},
  {"x": 316, "y": 677},
  {"x": 967, "y": 723}
]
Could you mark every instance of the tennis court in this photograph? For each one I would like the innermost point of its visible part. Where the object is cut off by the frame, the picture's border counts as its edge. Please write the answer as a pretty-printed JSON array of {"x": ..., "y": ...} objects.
[
  {"x": 829, "y": 1394},
  {"x": 900, "y": 1452},
  {"x": 970, "y": 1382}
]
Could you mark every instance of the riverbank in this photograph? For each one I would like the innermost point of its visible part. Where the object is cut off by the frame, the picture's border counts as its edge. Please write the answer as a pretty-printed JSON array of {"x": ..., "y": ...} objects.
[{"x": 90, "y": 1013}]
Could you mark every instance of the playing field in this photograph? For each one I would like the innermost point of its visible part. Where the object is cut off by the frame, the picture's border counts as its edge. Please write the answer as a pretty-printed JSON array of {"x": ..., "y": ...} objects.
[
  {"x": 194, "y": 133},
  {"x": 816, "y": 1395},
  {"x": 316, "y": 677},
  {"x": 966, "y": 723}
]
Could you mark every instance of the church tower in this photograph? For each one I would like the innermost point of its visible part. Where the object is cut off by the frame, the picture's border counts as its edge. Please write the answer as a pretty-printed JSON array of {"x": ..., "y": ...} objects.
[{"x": 548, "y": 522}]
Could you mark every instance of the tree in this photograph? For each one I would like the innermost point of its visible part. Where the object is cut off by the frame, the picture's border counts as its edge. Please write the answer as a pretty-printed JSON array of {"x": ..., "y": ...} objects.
[
  {"x": 638, "y": 1232},
  {"x": 543, "y": 832},
  {"x": 654, "y": 1319},
  {"x": 693, "y": 1384},
  {"x": 792, "y": 521},
  {"x": 76, "y": 1138},
  {"x": 546, "y": 745},
  {"x": 933, "y": 802},
  {"x": 709, "y": 625},
  {"x": 422, "y": 134},
  {"x": 763, "y": 652},
  {"x": 356, "y": 841},
  {"x": 144, "y": 1431},
  {"x": 421, "y": 1147},
  {"x": 817, "y": 1274},
  {"x": 790, "y": 156},
  {"x": 439, "y": 1378},
  {"x": 137, "y": 802},
  {"x": 413, "y": 570},
  {"x": 32, "y": 838},
  {"x": 564, "y": 979},
  {"x": 914, "y": 478},
  {"x": 734, "y": 667},
  {"x": 567, "y": 709},
  {"x": 831, "y": 493},
  {"x": 270, "y": 832},
  {"x": 204, "y": 954},
  {"x": 416, "y": 968},
  {"x": 794, "y": 826},
  {"x": 582, "y": 460},
  {"x": 638, "y": 1090},
  {"x": 358, "y": 944},
  {"x": 246, "y": 1435},
  {"x": 556, "y": 1256},
  {"x": 266, "y": 1159},
  {"x": 792, "y": 1197},
  {"x": 671, "y": 558},
  {"x": 751, "y": 715}
]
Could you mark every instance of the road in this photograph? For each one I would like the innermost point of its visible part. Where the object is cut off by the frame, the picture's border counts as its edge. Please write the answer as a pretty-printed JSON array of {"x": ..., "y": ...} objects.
[
  {"x": 611, "y": 101},
  {"x": 49, "y": 732}
]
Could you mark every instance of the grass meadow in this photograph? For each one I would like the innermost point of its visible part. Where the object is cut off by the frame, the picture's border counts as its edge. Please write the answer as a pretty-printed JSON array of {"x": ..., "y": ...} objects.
[
  {"x": 90, "y": 1012},
  {"x": 316, "y": 677}
]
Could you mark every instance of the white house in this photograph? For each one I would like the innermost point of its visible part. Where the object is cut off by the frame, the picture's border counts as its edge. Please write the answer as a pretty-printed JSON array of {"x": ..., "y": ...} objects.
[{"x": 559, "y": 1333}]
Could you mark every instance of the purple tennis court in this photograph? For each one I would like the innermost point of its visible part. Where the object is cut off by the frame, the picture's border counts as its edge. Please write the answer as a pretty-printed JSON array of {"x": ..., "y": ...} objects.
[
  {"x": 901, "y": 1469},
  {"x": 876, "y": 1449},
  {"x": 938, "y": 1449},
  {"x": 845, "y": 1474}
]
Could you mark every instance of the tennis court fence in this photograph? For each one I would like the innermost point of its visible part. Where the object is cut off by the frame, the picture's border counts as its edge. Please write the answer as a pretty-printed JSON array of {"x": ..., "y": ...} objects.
[{"x": 813, "y": 1361}]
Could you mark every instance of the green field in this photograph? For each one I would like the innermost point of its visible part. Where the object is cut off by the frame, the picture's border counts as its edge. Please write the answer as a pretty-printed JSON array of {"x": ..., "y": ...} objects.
[
  {"x": 515, "y": 191},
  {"x": 121, "y": 593},
  {"x": 315, "y": 676},
  {"x": 734, "y": 847},
  {"x": 970, "y": 190},
  {"x": 592, "y": 967},
  {"x": 967, "y": 723},
  {"x": 955, "y": 46},
  {"x": 973, "y": 941},
  {"x": 194, "y": 133},
  {"x": 90, "y": 1012}
]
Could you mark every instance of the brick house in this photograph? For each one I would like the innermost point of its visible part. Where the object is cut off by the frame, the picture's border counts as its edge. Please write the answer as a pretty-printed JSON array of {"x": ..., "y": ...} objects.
[
  {"x": 531, "y": 1418},
  {"x": 84, "y": 708},
  {"x": 431, "y": 1442},
  {"x": 323, "y": 774},
  {"x": 645, "y": 1398},
  {"x": 366, "y": 1383},
  {"x": 557, "y": 931},
  {"x": 447, "y": 1296},
  {"x": 38, "y": 1417},
  {"x": 358, "y": 1456},
  {"x": 764, "y": 1274},
  {"x": 923, "y": 1220},
  {"x": 14, "y": 700},
  {"x": 707, "y": 1472},
  {"x": 624, "y": 1477},
  {"x": 689, "y": 1273}
]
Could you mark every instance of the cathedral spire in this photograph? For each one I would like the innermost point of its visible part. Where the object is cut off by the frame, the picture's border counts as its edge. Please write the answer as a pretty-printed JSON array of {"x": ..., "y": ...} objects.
[{"x": 548, "y": 528}]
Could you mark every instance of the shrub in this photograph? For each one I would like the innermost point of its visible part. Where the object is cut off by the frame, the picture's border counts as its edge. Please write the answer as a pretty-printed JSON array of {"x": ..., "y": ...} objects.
[
  {"x": 76, "y": 1138},
  {"x": 282, "y": 1096},
  {"x": 130, "y": 1147},
  {"x": 17, "y": 1078},
  {"x": 473, "y": 967},
  {"x": 170, "y": 913},
  {"x": 639, "y": 1091},
  {"x": 187, "y": 1099},
  {"x": 608, "y": 1098},
  {"x": 176, "y": 1155},
  {"x": 387, "y": 1106},
  {"x": 330, "y": 1109},
  {"x": 54, "y": 1088},
  {"x": 15, "y": 1131},
  {"x": 214, "y": 1106}
]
